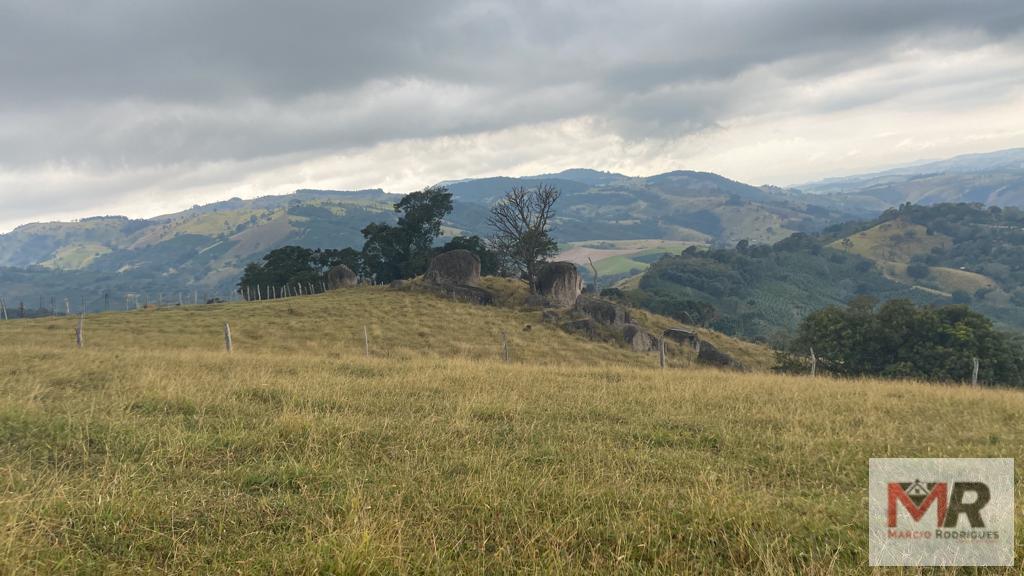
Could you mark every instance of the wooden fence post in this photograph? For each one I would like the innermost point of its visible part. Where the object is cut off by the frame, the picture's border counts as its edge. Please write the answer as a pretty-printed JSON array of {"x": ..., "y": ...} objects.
[
  {"x": 661, "y": 352},
  {"x": 80, "y": 332},
  {"x": 3, "y": 308},
  {"x": 227, "y": 338},
  {"x": 974, "y": 373},
  {"x": 504, "y": 346},
  {"x": 366, "y": 340},
  {"x": 814, "y": 364}
]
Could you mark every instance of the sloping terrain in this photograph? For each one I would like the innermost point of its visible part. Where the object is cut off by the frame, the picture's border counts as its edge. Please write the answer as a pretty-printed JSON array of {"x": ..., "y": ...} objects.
[
  {"x": 206, "y": 247},
  {"x": 681, "y": 206},
  {"x": 154, "y": 450},
  {"x": 963, "y": 253},
  {"x": 993, "y": 179}
]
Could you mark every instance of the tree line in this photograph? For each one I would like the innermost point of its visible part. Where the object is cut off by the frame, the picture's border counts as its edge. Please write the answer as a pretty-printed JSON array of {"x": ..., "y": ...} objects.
[
  {"x": 898, "y": 339},
  {"x": 522, "y": 241}
]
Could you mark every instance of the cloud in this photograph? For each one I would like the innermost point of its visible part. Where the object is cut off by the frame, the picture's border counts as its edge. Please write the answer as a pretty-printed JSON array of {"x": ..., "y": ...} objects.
[{"x": 132, "y": 106}]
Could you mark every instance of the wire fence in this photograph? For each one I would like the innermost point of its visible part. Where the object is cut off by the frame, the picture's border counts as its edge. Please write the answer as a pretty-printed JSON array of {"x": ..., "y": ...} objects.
[{"x": 110, "y": 301}]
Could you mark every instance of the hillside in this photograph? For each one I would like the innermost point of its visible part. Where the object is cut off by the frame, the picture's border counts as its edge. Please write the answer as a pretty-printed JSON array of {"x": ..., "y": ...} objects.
[
  {"x": 993, "y": 179},
  {"x": 152, "y": 449},
  {"x": 205, "y": 248},
  {"x": 679, "y": 206},
  {"x": 938, "y": 254}
]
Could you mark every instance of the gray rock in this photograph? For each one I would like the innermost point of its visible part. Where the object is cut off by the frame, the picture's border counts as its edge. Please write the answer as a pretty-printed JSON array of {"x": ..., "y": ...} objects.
[
  {"x": 472, "y": 294},
  {"x": 682, "y": 336},
  {"x": 583, "y": 326},
  {"x": 638, "y": 339},
  {"x": 341, "y": 276},
  {"x": 560, "y": 283},
  {"x": 454, "y": 268},
  {"x": 603, "y": 311}
]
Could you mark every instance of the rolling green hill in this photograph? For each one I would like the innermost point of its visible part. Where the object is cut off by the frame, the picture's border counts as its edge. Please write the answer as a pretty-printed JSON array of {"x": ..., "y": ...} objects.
[
  {"x": 964, "y": 253},
  {"x": 205, "y": 248}
]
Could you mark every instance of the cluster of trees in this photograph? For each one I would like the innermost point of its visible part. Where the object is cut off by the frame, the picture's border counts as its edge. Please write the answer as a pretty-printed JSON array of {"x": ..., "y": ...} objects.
[
  {"x": 295, "y": 265},
  {"x": 521, "y": 243},
  {"x": 761, "y": 292},
  {"x": 899, "y": 339}
]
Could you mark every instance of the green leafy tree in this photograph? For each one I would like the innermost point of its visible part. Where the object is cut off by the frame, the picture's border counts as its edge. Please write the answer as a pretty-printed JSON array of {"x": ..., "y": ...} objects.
[
  {"x": 901, "y": 340},
  {"x": 403, "y": 250},
  {"x": 294, "y": 265}
]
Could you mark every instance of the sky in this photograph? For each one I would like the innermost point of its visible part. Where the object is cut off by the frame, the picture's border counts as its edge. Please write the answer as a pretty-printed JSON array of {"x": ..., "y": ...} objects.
[{"x": 142, "y": 108}]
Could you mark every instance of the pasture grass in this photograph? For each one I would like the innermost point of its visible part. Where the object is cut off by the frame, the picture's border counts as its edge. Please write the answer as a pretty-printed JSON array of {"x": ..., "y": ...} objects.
[{"x": 153, "y": 450}]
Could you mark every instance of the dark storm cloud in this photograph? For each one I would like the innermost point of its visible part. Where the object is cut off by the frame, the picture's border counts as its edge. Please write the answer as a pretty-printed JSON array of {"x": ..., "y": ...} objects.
[{"x": 163, "y": 86}]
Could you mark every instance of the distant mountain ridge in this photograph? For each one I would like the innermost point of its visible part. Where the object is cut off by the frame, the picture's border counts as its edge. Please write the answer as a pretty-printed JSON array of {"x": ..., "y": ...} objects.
[
  {"x": 992, "y": 178},
  {"x": 207, "y": 246}
]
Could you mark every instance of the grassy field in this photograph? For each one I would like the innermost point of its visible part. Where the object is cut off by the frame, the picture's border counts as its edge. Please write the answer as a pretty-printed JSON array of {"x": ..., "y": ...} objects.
[{"x": 153, "y": 450}]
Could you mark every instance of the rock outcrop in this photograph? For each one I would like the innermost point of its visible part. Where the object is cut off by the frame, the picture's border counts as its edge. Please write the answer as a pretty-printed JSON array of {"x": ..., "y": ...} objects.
[
  {"x": 454, "y": 268},
  {"x": 341, "y": 276},
  {"x": 472, "y": 294},
  {"x": 603, "y": 311},
  {"x": 682, "y": 336},
  {"x": 708, "y": 354},
  {"x": 560, "y": 284},
  {"x": 638, "y": 339}
]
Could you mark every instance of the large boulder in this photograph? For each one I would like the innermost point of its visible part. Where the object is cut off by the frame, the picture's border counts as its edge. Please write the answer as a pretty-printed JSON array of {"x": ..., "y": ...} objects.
[
  {"x": 341, "y": 276},
  {"x": 560, "y": 283},
  {"x": 454, "y": 268},
  {"x": 638, "y": 339},
  {"x": 603, "y": 311},
  {"x": 683, "y": 336},
  {"x": 708, "y": 354}
]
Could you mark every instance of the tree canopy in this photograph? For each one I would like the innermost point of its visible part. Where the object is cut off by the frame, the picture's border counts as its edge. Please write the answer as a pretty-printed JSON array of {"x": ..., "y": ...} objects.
[
  {"x": 403, "y": 250},
  {"x": 293, "y": 265},
  {"x": 901, "y": 340}
]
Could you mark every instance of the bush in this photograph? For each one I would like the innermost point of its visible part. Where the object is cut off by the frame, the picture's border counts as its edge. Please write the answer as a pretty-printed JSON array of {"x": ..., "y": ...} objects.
[{"x": 918, "y": 271}]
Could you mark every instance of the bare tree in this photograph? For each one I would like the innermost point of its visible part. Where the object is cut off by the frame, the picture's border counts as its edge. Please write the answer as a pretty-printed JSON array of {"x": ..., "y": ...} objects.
[{"x": 522, "y": 221}]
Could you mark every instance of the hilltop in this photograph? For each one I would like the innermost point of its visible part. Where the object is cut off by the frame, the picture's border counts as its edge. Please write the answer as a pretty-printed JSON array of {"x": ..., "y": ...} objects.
[{"x": 152, "y": 449}]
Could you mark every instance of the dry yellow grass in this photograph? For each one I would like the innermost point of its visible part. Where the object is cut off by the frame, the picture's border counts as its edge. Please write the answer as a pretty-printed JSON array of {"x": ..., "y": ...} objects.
[{"x": 153, "y": 450}]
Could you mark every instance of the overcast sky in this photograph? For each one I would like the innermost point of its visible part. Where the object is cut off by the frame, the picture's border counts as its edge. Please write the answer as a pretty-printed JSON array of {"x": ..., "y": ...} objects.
[{"x": 140, "y": 108}]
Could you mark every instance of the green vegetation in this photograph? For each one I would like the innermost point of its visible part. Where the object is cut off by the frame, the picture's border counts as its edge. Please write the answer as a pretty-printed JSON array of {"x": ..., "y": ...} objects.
[
  {"x": 153, "y": 450},
  {"x": 901, "y": 340},
  {"x": 293, "y": 266},
  {"x": 761, "y": 292},
  {"x": 403, "y": 250}
]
